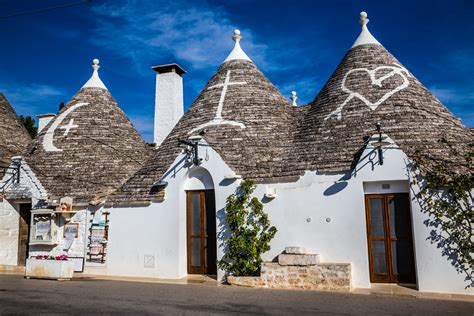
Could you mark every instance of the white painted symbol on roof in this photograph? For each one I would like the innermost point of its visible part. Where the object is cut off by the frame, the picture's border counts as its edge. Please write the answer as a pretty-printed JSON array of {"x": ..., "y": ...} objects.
[
  {"x": 395, "y": 70},
  {"x": 218, "y": 120},
  {"x": 49, "y": 135},
  {"x": 68, "y": 127}
]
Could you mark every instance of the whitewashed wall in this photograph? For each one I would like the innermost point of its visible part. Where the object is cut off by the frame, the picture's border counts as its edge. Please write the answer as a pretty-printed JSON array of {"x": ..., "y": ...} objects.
[
  {"x": 9, "y": 226},
  {"x": 159, "y": 230},
  {"x": 169, "y": 104},
  {"x": 324, "y": 213}
]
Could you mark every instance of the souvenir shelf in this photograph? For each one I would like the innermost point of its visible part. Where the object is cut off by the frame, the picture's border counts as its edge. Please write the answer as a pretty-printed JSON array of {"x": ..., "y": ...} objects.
[
  {"x": 43, "y": 227},
  {"x": 98, "y": 238}
]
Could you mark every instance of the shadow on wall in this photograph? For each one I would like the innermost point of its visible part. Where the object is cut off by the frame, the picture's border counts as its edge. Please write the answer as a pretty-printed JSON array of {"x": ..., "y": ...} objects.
[
  {"x": 441, "y": 234},
  {"x": 223, "y": 232},
  {"x": 358, "y": 163},
  {"x": 335, "y": 188}
]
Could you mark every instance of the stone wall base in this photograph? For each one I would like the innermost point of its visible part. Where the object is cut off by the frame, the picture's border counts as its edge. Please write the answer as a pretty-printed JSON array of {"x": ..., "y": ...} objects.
[{"x": 312, "y": 276}]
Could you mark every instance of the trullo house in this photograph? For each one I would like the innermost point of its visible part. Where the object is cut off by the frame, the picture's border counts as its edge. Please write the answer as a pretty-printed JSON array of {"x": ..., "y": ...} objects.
[
  {"x": 330, "y": 181},
  {"x": 14, "y": 141},
  {"x": 335, "y": 176},
  {"x": 80, "y": 156}
]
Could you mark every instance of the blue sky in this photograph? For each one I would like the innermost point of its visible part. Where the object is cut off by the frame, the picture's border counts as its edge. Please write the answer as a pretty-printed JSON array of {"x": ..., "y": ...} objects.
[{"x": 46, "y": 56}]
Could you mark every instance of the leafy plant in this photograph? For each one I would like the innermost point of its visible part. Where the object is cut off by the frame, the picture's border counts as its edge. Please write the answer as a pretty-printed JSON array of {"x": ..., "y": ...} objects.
[
  {"x": 250, "y": 233},
  {"x": 446, "y": 196}
]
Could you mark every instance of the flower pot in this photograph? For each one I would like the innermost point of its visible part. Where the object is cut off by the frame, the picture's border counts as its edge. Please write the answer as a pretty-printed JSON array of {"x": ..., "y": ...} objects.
[{"x": 49, "y": 269}]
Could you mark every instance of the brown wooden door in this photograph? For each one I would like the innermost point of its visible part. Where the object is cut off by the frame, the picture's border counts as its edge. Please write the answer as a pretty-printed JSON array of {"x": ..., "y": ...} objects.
[
  {"x": 389, "y": 236},
  {"x": 201, "y": 232},
  {"x": 24, "y": 233}
]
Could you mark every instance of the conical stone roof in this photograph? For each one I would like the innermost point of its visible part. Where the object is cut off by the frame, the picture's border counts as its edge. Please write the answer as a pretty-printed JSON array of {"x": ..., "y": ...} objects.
[
  {"x": 14, "y": 139},
  {"x": 280, "y": 142},
  {"x": 89, "y": 149},
  {"x": 245, "y": 118},
  {"x": 369, "y": 86}
]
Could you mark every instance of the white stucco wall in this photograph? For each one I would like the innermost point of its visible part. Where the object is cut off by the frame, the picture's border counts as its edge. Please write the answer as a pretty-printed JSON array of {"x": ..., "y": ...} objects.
[
  {"x": 169, "y": 104},
  {"x": 160, "y": 229},
  {"x": 9, "y": 226},
  {"x": 435, "y": 273},
  {"x": 321, "y": 212}
]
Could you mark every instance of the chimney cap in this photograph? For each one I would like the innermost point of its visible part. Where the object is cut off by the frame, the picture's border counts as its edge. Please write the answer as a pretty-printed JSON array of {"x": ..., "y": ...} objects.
[
  {"x": 45, "y": 115},
  {"x": 169, "y": 68}
]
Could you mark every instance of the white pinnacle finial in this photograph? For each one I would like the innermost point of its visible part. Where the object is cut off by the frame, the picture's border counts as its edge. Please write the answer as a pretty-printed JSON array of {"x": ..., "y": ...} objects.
[
  {"x": 363, "y": 18},
  {"x": 94, "y": 81},
  {"x": 237, "y": 52},
  {"x": 236, "y": 36},
  {"x": 95, "y": 64},
  {"x": 365, "y": 37},
  {"x": 293, "y": 98}
]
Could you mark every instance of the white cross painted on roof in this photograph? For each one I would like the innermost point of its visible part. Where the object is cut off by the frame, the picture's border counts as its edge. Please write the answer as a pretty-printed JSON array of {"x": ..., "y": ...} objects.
[
  {"x": 68, "y": 127},
  {"x": 218, "y": 120},
  {"x": 224, "y": 91}
]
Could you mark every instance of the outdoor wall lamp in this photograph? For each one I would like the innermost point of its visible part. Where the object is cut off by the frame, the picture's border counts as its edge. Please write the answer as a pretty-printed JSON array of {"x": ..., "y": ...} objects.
[
  {"x": 380, "y": 143},
  {"x": 191, "y": 148},
  {"x": 160, "y": 184}
]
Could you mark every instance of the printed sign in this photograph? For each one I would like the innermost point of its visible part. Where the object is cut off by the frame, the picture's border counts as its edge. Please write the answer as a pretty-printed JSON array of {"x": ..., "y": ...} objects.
[
  {"x": 42, "y": 227},
  {"x": 71, "y": 230}
]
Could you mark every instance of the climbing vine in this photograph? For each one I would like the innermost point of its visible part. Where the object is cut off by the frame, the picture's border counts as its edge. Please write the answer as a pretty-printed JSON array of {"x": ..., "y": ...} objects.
[
  {"x": 446, "y": 196},
  {"x": 250, "y": 233}
]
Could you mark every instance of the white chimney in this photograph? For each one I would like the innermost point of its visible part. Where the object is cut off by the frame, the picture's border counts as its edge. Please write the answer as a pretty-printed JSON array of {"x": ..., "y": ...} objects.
[
  {"x": 43, "y": 120},
  {"x": 169, "y": 105}
]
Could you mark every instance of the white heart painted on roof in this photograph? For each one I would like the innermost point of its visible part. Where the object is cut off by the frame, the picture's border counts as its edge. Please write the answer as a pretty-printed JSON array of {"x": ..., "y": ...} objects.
[{"x": 394, "y": 70}]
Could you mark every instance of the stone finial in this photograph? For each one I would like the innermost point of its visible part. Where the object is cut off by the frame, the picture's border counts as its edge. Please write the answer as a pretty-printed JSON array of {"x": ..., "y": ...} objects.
[
  {"x": 95, "y": 64},
  {"x": 94, "y": 81},
  {"x": 363, "y": 18},
  {"x": 237, "y": 52},
  {"x": 365, "y": 36},
  {"x": 237, "y": 37},
  {"x": 293, "y": 98}
]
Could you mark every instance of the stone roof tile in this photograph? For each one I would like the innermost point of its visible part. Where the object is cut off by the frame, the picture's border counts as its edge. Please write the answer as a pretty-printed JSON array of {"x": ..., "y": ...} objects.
[
  {"x": 14, "y": 138},
  {"x": 91, "y": 150}
]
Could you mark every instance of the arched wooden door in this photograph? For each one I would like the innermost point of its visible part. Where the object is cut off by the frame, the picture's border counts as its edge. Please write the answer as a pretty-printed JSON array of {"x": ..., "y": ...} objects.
[{"x": 201, "y": 232}]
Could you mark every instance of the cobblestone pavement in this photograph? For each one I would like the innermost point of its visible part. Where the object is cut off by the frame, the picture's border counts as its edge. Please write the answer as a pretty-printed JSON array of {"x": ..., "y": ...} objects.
[{"x": 86, "y": 296}]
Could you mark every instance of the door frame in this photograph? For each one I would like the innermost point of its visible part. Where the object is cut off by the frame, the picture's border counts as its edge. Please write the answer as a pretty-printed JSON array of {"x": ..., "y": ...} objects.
[
  {"x": 391, "y": 277},
  {"x": 190, "y": 268},
  {"x": 28, "y": 222}
]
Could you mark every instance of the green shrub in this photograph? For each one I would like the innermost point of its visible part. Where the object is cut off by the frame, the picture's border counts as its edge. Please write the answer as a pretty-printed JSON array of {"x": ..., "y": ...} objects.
[{"x": 250, "y": 233}]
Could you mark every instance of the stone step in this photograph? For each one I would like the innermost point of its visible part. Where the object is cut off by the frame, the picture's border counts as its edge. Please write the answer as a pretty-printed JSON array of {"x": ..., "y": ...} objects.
[
  {"x": 12, "y": 269},
  {"x": 297, "y": 251},
  {"x": 322, "y": 276},
  {"x": 298, "y": 260}
]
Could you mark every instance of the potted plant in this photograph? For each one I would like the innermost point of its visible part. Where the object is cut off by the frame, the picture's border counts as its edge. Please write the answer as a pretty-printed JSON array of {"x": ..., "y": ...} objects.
[{"x": 49, "y": 267}]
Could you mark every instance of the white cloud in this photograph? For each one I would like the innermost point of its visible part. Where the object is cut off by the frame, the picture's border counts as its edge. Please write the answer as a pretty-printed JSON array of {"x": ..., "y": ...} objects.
[
  {"x": 32, "y": 99},
  {"x": 306, "y": 89},
  {"x": 143, "y": 123},
  {"x": 452, "y": 95},
  {"x": 145, "y": 31},
  {"x": 459, "y": 100}
]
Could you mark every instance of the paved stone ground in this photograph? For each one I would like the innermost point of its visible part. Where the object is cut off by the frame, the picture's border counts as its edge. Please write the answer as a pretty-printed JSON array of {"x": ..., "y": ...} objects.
[{"x": 19, "y": 295}]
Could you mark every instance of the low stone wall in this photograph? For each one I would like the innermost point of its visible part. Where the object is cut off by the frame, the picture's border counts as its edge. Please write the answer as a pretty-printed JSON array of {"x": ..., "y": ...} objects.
[
  {"x": 296, "y": 271},
  {"x": 322, "y": 276}
]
